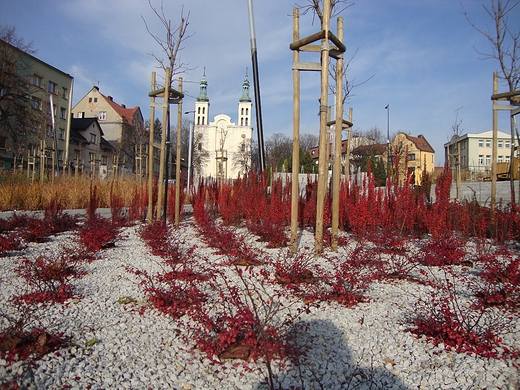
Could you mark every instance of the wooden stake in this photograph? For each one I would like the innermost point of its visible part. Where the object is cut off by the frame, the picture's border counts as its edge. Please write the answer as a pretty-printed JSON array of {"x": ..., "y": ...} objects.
[
  {"x": 337, "y": 145},
  {"x": 323, "y": 141},
  {"x": 296, "y": 136},
  {"x": 150, "y": 154},
  {"x": 178, "y": 160},
  {"x": 163, "y": 142}
]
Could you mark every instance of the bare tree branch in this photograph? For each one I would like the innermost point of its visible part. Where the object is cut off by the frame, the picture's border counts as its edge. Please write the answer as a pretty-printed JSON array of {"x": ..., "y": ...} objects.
[
  {"x": 316, "y": 7},
  {"x": 172, "y": 44},
  {"x": 348, "y": 86},
  {"x": 504, "y": 42}
]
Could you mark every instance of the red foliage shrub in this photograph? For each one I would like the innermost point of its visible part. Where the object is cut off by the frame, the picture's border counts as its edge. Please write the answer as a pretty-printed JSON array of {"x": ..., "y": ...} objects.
[
  {"x": 97, "y": 233},
  {"x": 10, "y": 242},
  {"x": 446, "y": 250},
  {"x": 49, "y": 277},
  {"x": 501, "y": 283}
]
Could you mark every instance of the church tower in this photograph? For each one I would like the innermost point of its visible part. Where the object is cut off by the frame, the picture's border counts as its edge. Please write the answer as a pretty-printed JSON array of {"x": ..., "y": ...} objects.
[
  {"x": 244, "y": 105},
  {"x": 202, "y": 103}
]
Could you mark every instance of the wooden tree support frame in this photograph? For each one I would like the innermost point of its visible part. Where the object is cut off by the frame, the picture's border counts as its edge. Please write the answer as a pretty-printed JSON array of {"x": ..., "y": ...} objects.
[
  {"x": 168, "y": 96},
  {"x": 331, "y": 46},
  {"x": 513, "y": 98}
]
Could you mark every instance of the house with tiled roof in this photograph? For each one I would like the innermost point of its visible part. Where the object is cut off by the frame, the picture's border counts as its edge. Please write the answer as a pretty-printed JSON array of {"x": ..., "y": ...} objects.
[
  {"x": 90, "y": 152},
  {"x": 416, "y": 151},
  {"x": 122, "y": 127}
]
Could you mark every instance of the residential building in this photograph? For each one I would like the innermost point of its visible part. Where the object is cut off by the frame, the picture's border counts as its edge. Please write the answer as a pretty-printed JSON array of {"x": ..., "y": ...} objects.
[
  {"x": 473, "y": 151},
  {"x": 421, "y": 156},
  {"x": 122, "y": 127},
  {"x": 90, "y": 152},
  {"x": 226, "y": 145},
  {"x": 355, "y": 142},
  {"x": 35, "y": 106}
]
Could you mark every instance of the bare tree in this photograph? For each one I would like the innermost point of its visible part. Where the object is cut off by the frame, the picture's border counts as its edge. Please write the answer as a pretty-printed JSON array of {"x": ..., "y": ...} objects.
[
  {"x": 200, "y": 156},
  {"x": 243, "y": 156},
  {"x": 316, "y": 8},
  {"x": 308, "y": 141},
  {"x": 504, "y": 39},
  {"x": 278, "y": 147},
  {"x": 172, "y": 44},
  {"x": 23, "y": 116},
  {"x": 348, "y": 85}
]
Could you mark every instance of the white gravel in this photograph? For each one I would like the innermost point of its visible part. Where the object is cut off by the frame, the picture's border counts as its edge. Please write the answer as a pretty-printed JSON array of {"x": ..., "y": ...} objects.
[{"x": 362, "y": 347}]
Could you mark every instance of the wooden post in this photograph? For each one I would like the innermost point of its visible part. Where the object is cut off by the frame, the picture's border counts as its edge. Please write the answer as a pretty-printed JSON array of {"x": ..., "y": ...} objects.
[
  {"x": 347, "y": 154},
  {"x": 323, "y": 141},
  {"x": 494, "y": 149},
  {"x": 150, "y": 154},
  {"x": 178, "y": 160},
  {"x": 163, "y": 142},
  {"x": 336, "y": 178},
  {"x": 295, "y": 190}
]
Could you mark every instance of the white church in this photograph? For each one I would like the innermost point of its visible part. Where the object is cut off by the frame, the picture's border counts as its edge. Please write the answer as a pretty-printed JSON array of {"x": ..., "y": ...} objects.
[{"x": 227, "y": 145}]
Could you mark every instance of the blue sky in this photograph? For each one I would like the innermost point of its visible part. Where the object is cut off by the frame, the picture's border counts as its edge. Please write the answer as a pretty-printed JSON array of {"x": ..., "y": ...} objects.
[{"x": 420, "y": 54}]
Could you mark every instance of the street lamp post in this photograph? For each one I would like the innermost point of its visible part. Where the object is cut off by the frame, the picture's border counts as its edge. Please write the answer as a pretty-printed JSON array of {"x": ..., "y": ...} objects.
[{"x": 190, "y": 149}]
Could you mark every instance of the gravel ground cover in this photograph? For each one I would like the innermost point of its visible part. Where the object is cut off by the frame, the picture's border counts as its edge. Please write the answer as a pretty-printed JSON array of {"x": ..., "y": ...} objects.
[{"x": 117, "y": 340}]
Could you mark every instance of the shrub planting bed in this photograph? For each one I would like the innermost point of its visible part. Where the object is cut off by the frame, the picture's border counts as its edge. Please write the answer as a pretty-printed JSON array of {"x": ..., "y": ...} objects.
[{"x": 421, "y": 296}]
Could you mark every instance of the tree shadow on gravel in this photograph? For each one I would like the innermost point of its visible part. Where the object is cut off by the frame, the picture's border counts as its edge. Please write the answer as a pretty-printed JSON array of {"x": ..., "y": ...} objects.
[{"x": 325, "y": 362}]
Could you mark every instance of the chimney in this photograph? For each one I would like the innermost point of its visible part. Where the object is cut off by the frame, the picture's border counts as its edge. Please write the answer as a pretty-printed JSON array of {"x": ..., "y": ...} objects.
[
  {"x": 123, "y": 105},
  {"x": 110, "y": 98}
]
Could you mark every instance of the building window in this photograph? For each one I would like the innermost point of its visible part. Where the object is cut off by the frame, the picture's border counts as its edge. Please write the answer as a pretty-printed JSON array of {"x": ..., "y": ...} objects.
[
  {"x": 63, "y": 113},
  {"x": 2, "y": 142},
  {"x": 95, "y": 100},
  {"x": 488, "y": 143},
  {"x": 102, "y": 116},
  {"x": 500, "y": 159},
  {"x": 60, "y": 155},
  {"x": 104, "y": 160},
  {"x": 508, "y": 159},
  {"x": 90, "y": 100},
  {"x": 480, "y": 143},
  {"x": 64, "y": 93},
  {"x": 481, "y": 159},
  {"x": 500, "y": 144},
  {"x": 411, "y": 156},
  {"x": 508, "y": 144},
  {"x": 52, "y": 87},
  {"x": 36, "y": 103},
  {"x": 488, "y": 160},
  {"x": 92, "y": 138},
  {"x": 61, "y": 133},
  {"x": 49, "y": 130},
  {"x": 37, "y": 80},
  {"x": 81, "y": 114},
  {"x": 92, "y": 157}
]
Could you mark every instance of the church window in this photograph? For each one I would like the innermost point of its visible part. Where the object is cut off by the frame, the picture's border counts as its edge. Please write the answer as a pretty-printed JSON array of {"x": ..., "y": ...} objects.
[
  {"x": 247, "y": 111},
  {"x": 247, "y": 121},
  {"x": 241, "y": 121}
]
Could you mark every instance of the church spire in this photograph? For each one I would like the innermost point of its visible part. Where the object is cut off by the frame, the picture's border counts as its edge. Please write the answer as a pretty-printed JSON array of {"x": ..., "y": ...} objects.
[
  {"x": 245, "y": 90},
  {"x": 203, "y": 94}
]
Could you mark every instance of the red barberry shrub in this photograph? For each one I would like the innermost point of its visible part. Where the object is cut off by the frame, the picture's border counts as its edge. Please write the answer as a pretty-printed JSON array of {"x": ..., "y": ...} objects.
[
  {"x": 500, "y": 282},
  {"x": 447, "y": 250},
  {"x": 10, "y": 242},
  {"x": 97, "y": 233},
  {"x": 49, "y": 277},
  {"x": 450, "y": 316}
]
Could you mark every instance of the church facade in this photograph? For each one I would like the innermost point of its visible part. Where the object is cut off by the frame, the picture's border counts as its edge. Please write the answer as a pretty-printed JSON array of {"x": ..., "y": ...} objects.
[{"x": 222, "y": 148}]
